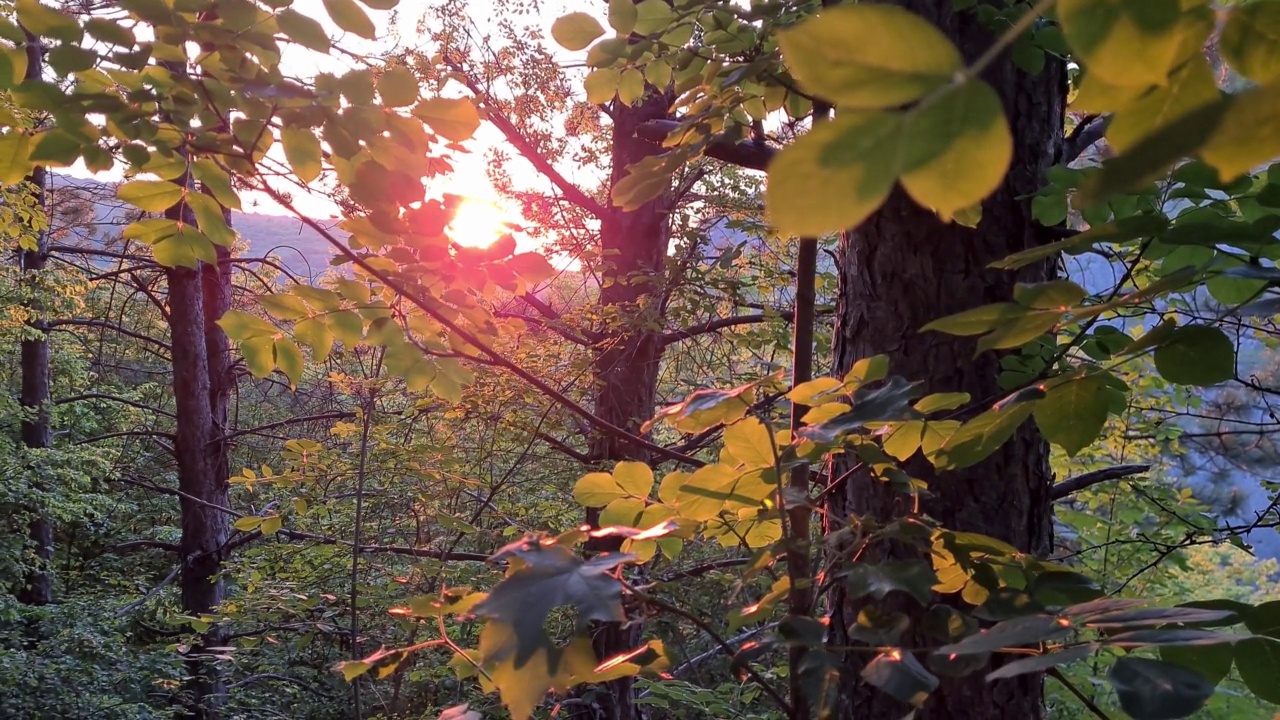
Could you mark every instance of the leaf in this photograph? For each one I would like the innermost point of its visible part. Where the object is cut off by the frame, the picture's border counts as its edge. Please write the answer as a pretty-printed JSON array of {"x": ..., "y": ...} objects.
[
  {"x": 1250, "y": 41},
  {"x": 41, "y": 20},
  {"x": 303, "y": 30},
  {"x": 1040, "y": 663},
  {"x": 454, "y": 118},
  {"x": 1255, "y": 111},
  {"x": 314, "y": 333},
  {"x": 151, "y": 195},
  {"x": 961, "y": 134},
  {"x": 215, "y": 181},
  {"x": 652, "y": 16},
  {"x": 302, "y": 150},
  {"x": 623, "y": 16},
  {"x": 1125, "y": 42},
  {"x": 349, "y": 16},
  {"x": 576, "y": 31},
  {"x": 1153, "y": 617},
  {"x": 1155, "y": 690},
  {"x": 271, "y": 524},
  {"x": 247, "y": 523},
  {"x": 1197, "y": 355},
  {"x": 1072, "y": 413},
  {"x": 1257, "y": 660},
  {"x": 901, "y": 676},
  {"x": 1172, "y": 638},
  {"x": 869, "y": 56},
  {"x": 398, "y": 87},
  {"x": 601, "y": 85},
  {"x": 750, "y": 443},
  {"x": 813, "y": 391},
  {"x": 14, "y": 156},
  {"x": 877, "y": 580},
  {"x": 1189, "y": 89},
  {"x": 353, "y": 669},
  {"x": 185, "y": 248},
  {"x": 1264, "y": 619},
  {"x": 1028, "y": 630},
  {"x": 978, "y": 320},
  {"x": 981, "y": 436},
  {"x": 551, "y": 577},
  {"x": 210, "y": 220},
  {"x": 259, "y": 355},
  {"x": 630, "y": 86},
  {"x": 241, "y": 326},
  {"x": 1053, "y": 295},
  {"x": 597, "y": 490},
  {"x": 289, "y": 359},
  {"x": 1211, "y": 662},
  {"x": 635, "y": 478}
]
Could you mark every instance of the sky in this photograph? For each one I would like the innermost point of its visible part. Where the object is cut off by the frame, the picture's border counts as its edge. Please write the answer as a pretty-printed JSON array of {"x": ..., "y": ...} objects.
[{"x": 486, "y": 211}]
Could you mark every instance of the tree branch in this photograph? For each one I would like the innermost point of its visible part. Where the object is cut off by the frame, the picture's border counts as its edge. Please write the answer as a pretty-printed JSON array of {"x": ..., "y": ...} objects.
[
  {"x": 746, "y": 154},
  {"x": 526, "y": 149},
  {"x": 110, "y": 326},
  {"x": 1075, "y": 484},
  {"x": 168, "y": 580},
  {"x": 334, "y": 415},
  {"x": 113, "y": 398},
  {"x": 127, "y": 547},
  {"x": 1088, "y": 131}
]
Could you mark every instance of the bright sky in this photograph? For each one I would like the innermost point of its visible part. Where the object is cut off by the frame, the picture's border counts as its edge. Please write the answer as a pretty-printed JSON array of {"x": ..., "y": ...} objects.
[{"x": 478, "y": 221}]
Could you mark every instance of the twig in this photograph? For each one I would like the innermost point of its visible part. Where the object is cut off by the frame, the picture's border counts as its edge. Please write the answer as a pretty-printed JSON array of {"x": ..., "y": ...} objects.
[
  {"x": 1097, "y": 711},
  {"x": 1075, "y": 484},
  {"x": 168, "y": 580}
]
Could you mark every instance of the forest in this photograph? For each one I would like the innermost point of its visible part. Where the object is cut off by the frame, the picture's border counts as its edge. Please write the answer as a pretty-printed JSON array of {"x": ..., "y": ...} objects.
[{"x": 640, "y": 359}]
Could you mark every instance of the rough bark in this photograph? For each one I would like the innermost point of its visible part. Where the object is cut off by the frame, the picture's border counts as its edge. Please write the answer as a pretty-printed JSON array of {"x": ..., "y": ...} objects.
[
  {"x": 198, "y": 346},
  {"x": 625, "y": 366},
  {"x": 900, "y": 270},
  {"x": 37, "y": 585}
]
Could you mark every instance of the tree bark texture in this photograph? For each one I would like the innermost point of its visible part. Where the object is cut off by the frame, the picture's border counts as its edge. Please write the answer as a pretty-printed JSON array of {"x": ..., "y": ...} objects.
[
  {"x": 201, "y": 387},
  {"x": 902, "y": 269},
  {"x": 626, "y": 362}
]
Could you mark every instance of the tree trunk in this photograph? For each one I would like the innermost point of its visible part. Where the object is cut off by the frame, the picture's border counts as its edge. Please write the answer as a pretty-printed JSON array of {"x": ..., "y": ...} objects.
[
  {"x": 197, "y": 297},
  {"x": 626, "y": 362},
  {"x": 904, "y": 268},
  {"x": 37, "y": 586}
]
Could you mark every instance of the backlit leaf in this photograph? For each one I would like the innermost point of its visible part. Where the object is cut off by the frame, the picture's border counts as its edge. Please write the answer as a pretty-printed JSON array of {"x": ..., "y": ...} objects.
[
  {"x": 576, "y": 31},
  {"x": 349, "y": 16},
  {"x": 1072, "y": 413},
  {"x": 302, "y": 150},
  {"x": 1155, "y": 690},
  {"x": 1126, "y": 42},
  {"x": 1250, "y": 40},
  {"x": 398, "y": 87},
  {"x": 150, "y": 195},
  {"x": 1197, "y": 355},
  {"x": 455, "y": 119}
]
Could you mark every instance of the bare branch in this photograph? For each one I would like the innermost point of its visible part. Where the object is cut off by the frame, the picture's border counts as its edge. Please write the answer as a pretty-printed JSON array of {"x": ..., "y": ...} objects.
[
  {"x": 113, "y": 398},
  {"x": 747, "y": 154},
  {"x": 168, "y": 580},
  {"x": 1075, "y": 484},
  {"x": 109, "y": 326},
  {"x": 1089, "y": 131}
]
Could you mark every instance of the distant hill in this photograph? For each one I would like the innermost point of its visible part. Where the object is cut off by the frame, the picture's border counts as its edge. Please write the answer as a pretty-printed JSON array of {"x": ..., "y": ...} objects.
[{"x": 294, "y": 245}]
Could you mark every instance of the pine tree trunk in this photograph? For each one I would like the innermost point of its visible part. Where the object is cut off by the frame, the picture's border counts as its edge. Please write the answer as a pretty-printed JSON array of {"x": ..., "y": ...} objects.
[
  {"x": 904, "y": 268},
  {"x": 37, "y": 586},
  {"x": 626, "y": 362}
]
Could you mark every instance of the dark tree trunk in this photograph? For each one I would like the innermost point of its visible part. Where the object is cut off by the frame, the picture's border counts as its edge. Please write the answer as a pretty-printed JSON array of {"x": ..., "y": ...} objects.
[
  {"x": 904, "y": 268},
  {"x": 625, "y": 366},
  {"x": 201, "y": 387},
  {"x": 37, "y": 586}
]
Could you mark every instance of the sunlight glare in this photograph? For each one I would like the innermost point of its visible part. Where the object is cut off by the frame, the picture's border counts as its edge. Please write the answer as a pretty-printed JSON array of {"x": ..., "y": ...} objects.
[{"x": 478, "y": 223}]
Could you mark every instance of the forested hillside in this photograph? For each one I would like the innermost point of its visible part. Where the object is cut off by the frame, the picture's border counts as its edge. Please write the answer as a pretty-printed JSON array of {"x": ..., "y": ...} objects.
[{"x": 809, "y": 359}]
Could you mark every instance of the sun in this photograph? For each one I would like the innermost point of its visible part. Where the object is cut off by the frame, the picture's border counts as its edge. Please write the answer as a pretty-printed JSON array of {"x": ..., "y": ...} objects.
[{"x": 478, "y": 223}]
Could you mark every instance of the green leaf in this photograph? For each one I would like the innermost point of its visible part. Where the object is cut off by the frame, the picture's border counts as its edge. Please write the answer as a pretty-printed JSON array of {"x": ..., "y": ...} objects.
[
  {"x": 1072, "y": 413},
  {"x": 623, "y": 16},
  {"x": 185, "y": 248},
  {"x": 576, "y": 31},
  {"x": 1211, "y": 662},
  {"x": 1250, "y": 41},
  {"x": 879, "y": 579},
  {"x": 1028, "y": 630},
  {"x": 1190, "y": 88},
  {"x": 551, "y": 577},
  {"x": 271, "y": 524},
  {"x": 248, "y": 523},
  {"x": 750, "y": 443},
  {"x": 1197, "y": 355},
  {"x": 652, "y": 16},
  {"x": 1040, "y": 663},
  {"x": 353, "y": 669},
  {"x": 151, "y": 195},
  {"x": 597, "y": 490},
  {"x": 1125, "y": 42},
  {"x": 978, "y": 320},
  {"x": 111, "y": 31},
  {"x": 869, "y": 56},
  {"x": 635, "y": 478},
  {"x": 1264, "y": 619},
  {"x": 13, "y": 67},
  {"x": 1257, "y": 660},
  {"x": 303, "y": 30},
  {"x": 216, "y": 181},
  {"x": 259, "y": 355},
  {"x": 1256, "y": 114},
  {"x": 601, "y": 85},
  {"x": 302, "y": 150},
  {"x": 398, "y": 87},
  {"x": 623, "y": 512},
  {"x": 963, "y": 133},
  {"x": 455, "y": 119},
  {"x": 981, "y": 436},
  {"x": 242, "y": 326},
  {"x": 314, "y": 333},
  {"x": 1052, "y": 295},
  {"x": 42, "y": 20},
  {"x": 210, "y": 219},
  {"x": 1155, "y": 690},
  {"x": 631, "y": 86},
  {"x": 349, "y": 16},
  {"x": 55, "y": 147},
  {"x": 900, "y": 675},
  {"x": 814, "y": 391},
  {"x": 289, "y": 359}
]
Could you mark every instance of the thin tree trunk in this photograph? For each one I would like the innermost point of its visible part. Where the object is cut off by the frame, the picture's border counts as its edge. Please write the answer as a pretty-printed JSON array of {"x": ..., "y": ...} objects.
[
  {"x": 900, "y": 270},
  {"x": 37, "y": 586}
]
